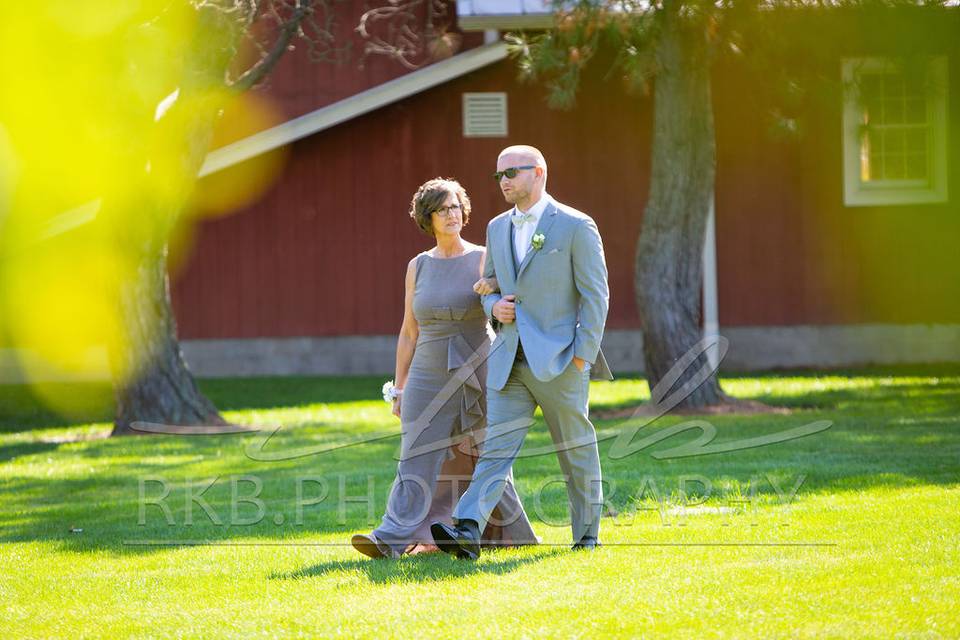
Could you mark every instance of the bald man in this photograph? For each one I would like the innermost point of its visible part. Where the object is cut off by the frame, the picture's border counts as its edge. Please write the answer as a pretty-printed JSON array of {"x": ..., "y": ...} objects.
[{"x": 550, "y": 312}]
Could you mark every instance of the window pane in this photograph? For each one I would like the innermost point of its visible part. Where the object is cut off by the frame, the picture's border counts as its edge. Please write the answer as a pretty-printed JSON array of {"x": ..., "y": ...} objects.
[
  {"x": 871, "y": 155},
  {"x": 894, "y": 141},
  {"x": 873, "y": 170},
  {"x": 875, "y": 139},
  {"x": 893, "y": 111},
  {"x": 893, "y": 132},
  {"x": 917, "y": 140},
  {"x": 915, "y": 86},
  {"x": 893, "y": 85},
  {"x": 871, "y": 86},
  {"x": 916, "y": 166},
  {"x": 916, "y": 110},
  {"x": 870, "y": 94},
  {"x": 893, "y": 168}
]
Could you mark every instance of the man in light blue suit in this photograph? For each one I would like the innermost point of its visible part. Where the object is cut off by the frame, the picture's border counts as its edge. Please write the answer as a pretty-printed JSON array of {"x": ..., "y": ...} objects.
[{"x": 551, "y": 309}]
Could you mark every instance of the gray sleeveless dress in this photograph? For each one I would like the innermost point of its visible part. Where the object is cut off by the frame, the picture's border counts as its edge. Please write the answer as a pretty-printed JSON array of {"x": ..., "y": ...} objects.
[{"x": 443, "y": 404}]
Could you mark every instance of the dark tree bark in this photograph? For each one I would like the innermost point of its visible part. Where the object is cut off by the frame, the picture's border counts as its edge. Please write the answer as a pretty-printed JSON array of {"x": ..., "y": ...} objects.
[
  {"x": 152, "y": 381},
  {"x": 162, "y": 391},
  {"x": 669, "y": 265}
]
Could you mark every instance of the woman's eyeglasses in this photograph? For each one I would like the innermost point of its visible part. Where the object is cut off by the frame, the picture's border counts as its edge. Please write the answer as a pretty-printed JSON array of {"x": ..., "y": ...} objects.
[
  {"x": 511, "y": 172},
  {"x": 448, "y": 210}
]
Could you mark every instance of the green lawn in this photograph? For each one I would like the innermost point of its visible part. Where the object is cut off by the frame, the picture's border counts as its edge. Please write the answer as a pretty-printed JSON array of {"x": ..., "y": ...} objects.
[{"x": 867, "y": 545}]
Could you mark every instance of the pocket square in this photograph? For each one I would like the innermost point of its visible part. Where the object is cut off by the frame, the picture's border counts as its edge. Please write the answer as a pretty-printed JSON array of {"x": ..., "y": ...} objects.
[{"x": 553, "y": 251}]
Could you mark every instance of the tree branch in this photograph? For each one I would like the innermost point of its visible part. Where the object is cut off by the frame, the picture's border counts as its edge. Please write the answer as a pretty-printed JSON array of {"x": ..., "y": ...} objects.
[
  {"x": 265, "y": 64},
  {"x": 407, "y": 31}
]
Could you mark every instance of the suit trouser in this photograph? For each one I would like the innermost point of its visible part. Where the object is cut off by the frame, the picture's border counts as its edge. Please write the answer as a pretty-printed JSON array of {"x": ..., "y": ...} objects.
[
  {"x": 564, "y": 402},
  {"x": 421, "y": 492}
]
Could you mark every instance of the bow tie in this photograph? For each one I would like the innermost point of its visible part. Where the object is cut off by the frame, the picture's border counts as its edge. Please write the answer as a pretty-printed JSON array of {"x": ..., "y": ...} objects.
[{"x": 519, "y": 218}]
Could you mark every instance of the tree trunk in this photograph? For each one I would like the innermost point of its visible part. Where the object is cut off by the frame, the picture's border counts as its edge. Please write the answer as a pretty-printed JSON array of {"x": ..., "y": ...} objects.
[
  {"x": 151, "y": 380},
  {"x": 669, "y": 261},
  {"x": 162, "y": 390}
]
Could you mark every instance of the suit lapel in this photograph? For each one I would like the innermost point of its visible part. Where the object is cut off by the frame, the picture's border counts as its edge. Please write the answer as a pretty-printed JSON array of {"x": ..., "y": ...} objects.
[
  {"x": 546, "y": 220},
  {"x": 506, "y": 241}
]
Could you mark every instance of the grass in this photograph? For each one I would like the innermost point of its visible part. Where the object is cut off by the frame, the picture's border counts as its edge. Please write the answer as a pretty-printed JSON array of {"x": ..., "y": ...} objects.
[{"x": 867, "y": 545}]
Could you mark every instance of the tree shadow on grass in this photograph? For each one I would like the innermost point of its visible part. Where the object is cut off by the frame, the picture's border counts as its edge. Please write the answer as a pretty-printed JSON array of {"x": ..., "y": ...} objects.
[
  {"x": 896, "y": 395},
  {"x": 902, "y": 397},
  {"x": 431, "y": 567},
  {"x": 23, "y": 408},
  {"x": 11, "y": 451}
]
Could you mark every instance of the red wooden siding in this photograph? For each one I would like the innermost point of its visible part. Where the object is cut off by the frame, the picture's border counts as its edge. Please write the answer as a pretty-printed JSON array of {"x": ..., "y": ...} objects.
[
  {"x": 324, "y": 252},
  {"x": 789, "y": 251}
]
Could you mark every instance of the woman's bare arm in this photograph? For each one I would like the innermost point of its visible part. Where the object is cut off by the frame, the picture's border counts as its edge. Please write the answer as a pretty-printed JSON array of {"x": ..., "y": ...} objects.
[
  {"x": 485, "y": 286},
  {"x": 409, "y": 331}
]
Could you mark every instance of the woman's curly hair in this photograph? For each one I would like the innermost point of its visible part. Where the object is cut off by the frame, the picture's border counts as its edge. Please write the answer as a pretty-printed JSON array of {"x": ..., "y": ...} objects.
[{"x": 431, "y": 195}]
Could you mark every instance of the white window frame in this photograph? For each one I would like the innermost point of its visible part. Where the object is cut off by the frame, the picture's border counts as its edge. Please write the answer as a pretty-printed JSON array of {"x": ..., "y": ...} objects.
[{"x": 857, "y": 193}]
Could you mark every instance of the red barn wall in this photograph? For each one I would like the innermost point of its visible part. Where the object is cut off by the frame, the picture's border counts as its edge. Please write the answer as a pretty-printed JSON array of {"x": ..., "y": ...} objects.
[{"x": 323, "y": 252}]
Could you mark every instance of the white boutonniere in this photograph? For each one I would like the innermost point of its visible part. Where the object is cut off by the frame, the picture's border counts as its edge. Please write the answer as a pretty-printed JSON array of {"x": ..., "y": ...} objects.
[
  {"x": 537, "y": 241},
  {"x": 390, "y": 391}
]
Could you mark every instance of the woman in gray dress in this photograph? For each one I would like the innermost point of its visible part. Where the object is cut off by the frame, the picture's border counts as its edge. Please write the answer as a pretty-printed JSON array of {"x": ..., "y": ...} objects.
[{"x": 440, "y": 379}]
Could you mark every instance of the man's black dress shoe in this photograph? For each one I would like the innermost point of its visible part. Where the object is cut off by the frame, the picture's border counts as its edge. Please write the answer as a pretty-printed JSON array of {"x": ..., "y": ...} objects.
[
  {"x": 462, "y": 540},
  {"x": 587, "y": 543}
]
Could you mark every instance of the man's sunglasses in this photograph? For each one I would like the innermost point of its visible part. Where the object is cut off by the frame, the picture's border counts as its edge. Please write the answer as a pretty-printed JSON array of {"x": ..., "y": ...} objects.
[{"x": 511, "y": 172}]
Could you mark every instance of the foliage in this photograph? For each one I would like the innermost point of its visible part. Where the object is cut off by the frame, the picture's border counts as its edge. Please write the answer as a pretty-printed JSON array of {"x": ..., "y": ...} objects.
[{"x": 778, "y": 39}]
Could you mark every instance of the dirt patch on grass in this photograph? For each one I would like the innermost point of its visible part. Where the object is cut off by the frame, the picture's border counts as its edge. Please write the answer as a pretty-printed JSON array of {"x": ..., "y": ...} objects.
[{"x": 64, "y": 438}]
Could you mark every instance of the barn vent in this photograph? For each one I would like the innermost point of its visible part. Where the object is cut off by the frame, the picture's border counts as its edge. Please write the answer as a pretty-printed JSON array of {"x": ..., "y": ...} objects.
[{"x": 484, "y": 115}]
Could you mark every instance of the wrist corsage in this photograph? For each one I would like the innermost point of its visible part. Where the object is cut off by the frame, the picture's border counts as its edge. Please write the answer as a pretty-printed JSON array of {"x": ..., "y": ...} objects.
[{"x": 390, "y": 392}]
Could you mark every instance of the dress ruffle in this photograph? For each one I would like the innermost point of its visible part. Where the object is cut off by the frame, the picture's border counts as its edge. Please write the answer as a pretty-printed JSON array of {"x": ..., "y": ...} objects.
[{"x": 463, "y": 361}]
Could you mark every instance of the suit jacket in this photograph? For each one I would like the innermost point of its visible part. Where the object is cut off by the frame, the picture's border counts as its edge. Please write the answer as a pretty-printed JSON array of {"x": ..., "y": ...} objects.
[{"x": 562, "y": 296}]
